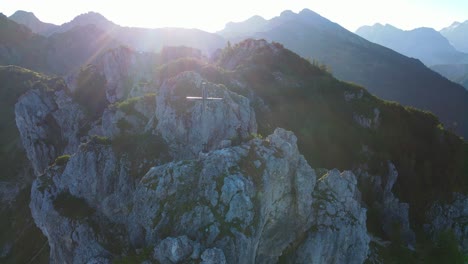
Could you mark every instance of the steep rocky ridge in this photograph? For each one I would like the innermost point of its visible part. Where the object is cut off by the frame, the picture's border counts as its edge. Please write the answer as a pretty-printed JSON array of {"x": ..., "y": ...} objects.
[
  {"x": 239, "y": 200},
  {"x": 126, "y": 72},
  {"x": 223, "y": 183},
  {"x": 450, "y": 216},
  {"x": 20, "y": 239},
  {"x": 193, "y": 127},
  {"x": 158, "y": 184},
  {"x": 48, "y": 125}
]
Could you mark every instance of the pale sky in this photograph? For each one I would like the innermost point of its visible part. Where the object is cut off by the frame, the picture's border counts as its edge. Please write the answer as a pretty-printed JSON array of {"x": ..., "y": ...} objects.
[{"x": 212, "y": 15}]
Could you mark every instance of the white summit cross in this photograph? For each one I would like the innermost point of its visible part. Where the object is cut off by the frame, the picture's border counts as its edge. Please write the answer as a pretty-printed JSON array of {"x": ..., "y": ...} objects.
[{"x": 204, "y": 97}]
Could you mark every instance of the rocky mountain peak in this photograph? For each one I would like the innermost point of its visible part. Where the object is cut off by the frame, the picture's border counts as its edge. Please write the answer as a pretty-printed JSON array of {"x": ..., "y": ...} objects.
[
  {"x": 310, "y": 15},
  {"x": 457, "y": 35},
  {"x": 194, "y": 126},
  {"x": 90, "y": 18},
  {"x": 287, "y": 14},
  {"x": 24, "y": 16},
  {"x": 453, "y": 26},
  {"x": 31, "y": 21},
  {"x": 253, "y": 24}
]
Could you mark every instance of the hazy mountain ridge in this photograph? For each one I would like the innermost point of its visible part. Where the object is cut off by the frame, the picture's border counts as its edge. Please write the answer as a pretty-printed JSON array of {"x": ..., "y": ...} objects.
[
  {"x": 60, "y": 54},
  {"x": 425, "y": 44},
  {"x": 146, "y": 39},
  {"x": 251, "y": 25},
  {"x": 92, "y": 18},
  {"x": 383, "y": 72}
]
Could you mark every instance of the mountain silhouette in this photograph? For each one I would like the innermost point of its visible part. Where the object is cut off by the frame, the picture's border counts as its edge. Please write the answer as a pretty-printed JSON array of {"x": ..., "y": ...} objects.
[{"x": 32, "y": 22}]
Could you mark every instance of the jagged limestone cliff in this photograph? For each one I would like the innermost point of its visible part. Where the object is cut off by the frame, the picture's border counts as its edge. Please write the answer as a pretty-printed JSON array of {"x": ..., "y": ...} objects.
[
  {"x": 238, "y": 199},
  {"x": 153, "y": 177},
  {"x": 247, "y": 203},
  {"x": 250, "y": 202}
]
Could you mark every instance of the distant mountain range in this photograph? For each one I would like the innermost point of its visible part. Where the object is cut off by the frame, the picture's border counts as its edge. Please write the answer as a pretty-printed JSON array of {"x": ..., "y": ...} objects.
[
  {"x": 59, "y": 54},
  {"x": 140, "y": 38},
  {"x": 63, "y": 49},
  {"x": 457, "y": 34},
  {"x": 385, "y": 73},
  {"x": 441, "y": 51},
  {"x": 382, "y": 71},
  {"x": 426, "y": 44}
]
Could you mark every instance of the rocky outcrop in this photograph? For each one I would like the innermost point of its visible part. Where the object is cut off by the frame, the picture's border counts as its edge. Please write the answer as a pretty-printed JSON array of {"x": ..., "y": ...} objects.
[
  {"x": 393, "y": 215},
  {"x": 49, "y": 123},
  {"x": 450, "y": 217},
  {"x": 71, "y": 203},
  {"x": 394, "y": 212},
  {"x": 126, "y": 70},
  {"x": 193, "y": 126},
  {"x": 368, "y": 122},
  {"x": 243, "y": 204},
  {"x": 131, "y": 116},
  {"x": 224, "y": 197},
  {"x": 338, "y": 217},
  {"x": 128, "y": 73},
  {"x": 235, "y": 199}
]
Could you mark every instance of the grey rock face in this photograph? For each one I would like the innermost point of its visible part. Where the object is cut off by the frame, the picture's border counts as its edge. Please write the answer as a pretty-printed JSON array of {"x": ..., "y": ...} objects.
[
  {"x": 395, "y": 212},
  {"x": 367, "y": 122},
  {"x": 189, "y": 128},
  {"x": 127, "y": 73},
  {"x": 173, "y": 250},
  {"x": 339, "y": 233},
  {"x": 450, "y": 216},
  {"x": 96, "y": 185},
  {"x": 49, "y": 124},
  {"x": 213, "y": 256},
  {"x": 227, "y": 202},
  {"x": 391, "y": 211},
  {"x": 128, "y": 117},
  {"x": 231, "y": 204}
]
